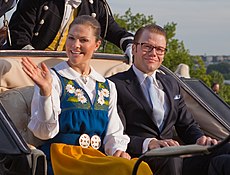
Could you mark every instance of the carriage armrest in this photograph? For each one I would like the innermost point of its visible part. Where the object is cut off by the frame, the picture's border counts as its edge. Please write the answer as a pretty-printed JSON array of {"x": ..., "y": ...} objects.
[
  {"x": 180, "y": 151},
  {"x": 38, "y": 162}
]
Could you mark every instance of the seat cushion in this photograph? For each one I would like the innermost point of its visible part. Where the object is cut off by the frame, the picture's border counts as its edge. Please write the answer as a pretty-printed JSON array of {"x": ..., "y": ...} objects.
[
  {"x": 17, "y": 103},
  {"x": 12, "y": 75}
]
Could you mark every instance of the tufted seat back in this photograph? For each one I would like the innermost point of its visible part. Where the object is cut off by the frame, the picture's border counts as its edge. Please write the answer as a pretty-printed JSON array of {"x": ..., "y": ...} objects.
[{"x": 17, "y": 103}]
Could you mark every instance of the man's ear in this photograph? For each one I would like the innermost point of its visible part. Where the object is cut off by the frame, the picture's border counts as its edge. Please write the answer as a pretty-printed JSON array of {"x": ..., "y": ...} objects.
[{"x": 134, "y": 47}]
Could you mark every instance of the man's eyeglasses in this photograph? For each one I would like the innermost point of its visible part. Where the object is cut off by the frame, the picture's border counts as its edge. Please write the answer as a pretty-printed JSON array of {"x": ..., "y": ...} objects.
[{"x": 148, "y": 48}]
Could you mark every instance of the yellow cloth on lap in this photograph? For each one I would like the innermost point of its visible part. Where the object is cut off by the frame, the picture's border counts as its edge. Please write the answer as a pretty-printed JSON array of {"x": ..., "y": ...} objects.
[{"x": 70, "y": 159}]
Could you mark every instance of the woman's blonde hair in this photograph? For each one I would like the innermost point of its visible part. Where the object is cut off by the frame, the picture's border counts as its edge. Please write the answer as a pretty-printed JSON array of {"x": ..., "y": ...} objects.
[{"x": 90, "y": 21}]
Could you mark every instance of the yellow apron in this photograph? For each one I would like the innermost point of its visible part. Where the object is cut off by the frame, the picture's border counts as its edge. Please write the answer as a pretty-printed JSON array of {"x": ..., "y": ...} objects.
[{"x": 75, "y": 160}]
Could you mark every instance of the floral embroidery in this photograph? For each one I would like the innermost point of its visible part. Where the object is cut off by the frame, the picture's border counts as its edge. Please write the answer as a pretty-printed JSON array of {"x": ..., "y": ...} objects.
[
  {"x": 105, "y": 92},
  {"x": 78, "y": 94},
  {"x": 101, "y": 101},
  {"x": 69, "y": 88},
  {"x": 82, "y": 99},
  {"x": 102, "y": 94}
]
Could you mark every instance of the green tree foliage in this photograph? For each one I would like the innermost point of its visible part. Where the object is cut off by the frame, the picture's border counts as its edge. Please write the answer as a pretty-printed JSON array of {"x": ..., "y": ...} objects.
[
  {"x": 225, "y": 93},
  {"x": 217, "y": 77},
  {"x": 227, "y": 76},
  {"x": 218, "y": 73},
  {"x": 198, "y": 70},
  {"x": 223, "y": 68}
]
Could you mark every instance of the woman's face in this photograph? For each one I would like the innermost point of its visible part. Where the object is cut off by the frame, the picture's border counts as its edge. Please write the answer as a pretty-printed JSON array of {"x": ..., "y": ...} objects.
[{"x": 81, "y": 43}]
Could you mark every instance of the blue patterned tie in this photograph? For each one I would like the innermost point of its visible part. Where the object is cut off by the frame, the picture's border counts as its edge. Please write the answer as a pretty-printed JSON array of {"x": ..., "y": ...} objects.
[{"x": 158, "y": 109}]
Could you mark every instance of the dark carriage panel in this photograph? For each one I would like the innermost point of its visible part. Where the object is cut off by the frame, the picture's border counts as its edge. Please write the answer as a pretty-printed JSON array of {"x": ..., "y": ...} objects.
[
  {"x": 208, "y": 109},
  {"x": 210, "y": 98},
  {"x": 11, "y": 140}
]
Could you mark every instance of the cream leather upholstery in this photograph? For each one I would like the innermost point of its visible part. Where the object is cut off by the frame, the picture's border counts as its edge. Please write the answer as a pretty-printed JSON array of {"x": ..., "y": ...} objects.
[{"x": 11, "y": 73}]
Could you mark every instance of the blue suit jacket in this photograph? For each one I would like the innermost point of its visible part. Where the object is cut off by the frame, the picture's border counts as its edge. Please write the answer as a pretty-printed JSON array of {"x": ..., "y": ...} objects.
[{"x": 137, "y": 115}]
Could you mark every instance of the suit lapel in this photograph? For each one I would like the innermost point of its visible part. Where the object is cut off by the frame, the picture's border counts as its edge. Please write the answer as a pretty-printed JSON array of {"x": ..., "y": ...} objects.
[{"x": 135, "y": 90}]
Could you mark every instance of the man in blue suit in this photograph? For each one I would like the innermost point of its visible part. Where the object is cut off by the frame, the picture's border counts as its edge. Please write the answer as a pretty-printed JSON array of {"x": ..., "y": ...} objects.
[{"x": 151, "y": 127}]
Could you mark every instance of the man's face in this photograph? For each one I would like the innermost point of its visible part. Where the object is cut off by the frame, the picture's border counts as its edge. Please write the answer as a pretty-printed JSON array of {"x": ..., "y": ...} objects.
[
  {"x": 149, "y": 61},
  {"x": 216, "y": 88}
]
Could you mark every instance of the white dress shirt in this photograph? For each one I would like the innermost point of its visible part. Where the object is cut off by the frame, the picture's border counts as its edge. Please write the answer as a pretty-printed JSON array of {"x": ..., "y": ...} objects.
[{"x": 45, "y": 111}]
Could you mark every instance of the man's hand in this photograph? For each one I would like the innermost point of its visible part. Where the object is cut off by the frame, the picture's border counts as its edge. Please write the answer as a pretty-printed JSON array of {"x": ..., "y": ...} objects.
[
  {"x": 204, "y": 140},
  {"x": 123, "y": 154},
  {"x": 154, "y": 143}
]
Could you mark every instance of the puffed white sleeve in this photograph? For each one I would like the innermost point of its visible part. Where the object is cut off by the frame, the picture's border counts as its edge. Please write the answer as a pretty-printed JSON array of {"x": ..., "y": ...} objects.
[
  {"x": 115, "y": 139},
  {"x": 45, "y": 111}
]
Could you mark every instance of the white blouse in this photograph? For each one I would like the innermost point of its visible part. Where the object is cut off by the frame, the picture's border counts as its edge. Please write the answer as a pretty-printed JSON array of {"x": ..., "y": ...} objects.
[{"x": 45, "y": 111}]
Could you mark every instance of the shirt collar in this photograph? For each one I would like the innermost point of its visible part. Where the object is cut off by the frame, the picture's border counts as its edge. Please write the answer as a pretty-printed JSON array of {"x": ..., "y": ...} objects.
[
  {"x": 141, "y": 76},
  {"x": 73, "y": 3},
  {"x": 66, "y": 71}
]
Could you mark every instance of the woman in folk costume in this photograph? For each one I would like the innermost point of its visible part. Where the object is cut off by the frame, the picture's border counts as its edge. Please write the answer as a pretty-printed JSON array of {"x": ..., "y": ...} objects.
[{"x": 74, "y": 109}]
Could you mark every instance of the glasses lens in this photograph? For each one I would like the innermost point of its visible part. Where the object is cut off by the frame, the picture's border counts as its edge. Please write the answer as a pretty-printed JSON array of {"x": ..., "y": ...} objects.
[
  {"x": 159, "y": 50},
  {"x": 147, "y": 47}
]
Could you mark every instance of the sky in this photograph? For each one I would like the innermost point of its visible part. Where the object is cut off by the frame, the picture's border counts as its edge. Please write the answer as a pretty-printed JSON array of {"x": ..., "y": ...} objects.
[{"x": 203, "y": 25}]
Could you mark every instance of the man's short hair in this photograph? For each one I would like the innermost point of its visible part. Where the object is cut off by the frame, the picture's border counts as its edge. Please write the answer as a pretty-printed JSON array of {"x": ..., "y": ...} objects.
[{"x": 150, "y": 27}]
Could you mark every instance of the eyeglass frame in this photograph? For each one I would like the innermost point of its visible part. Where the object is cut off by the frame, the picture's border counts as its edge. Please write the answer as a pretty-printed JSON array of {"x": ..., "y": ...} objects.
[{"x": 157, "y": 48}]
